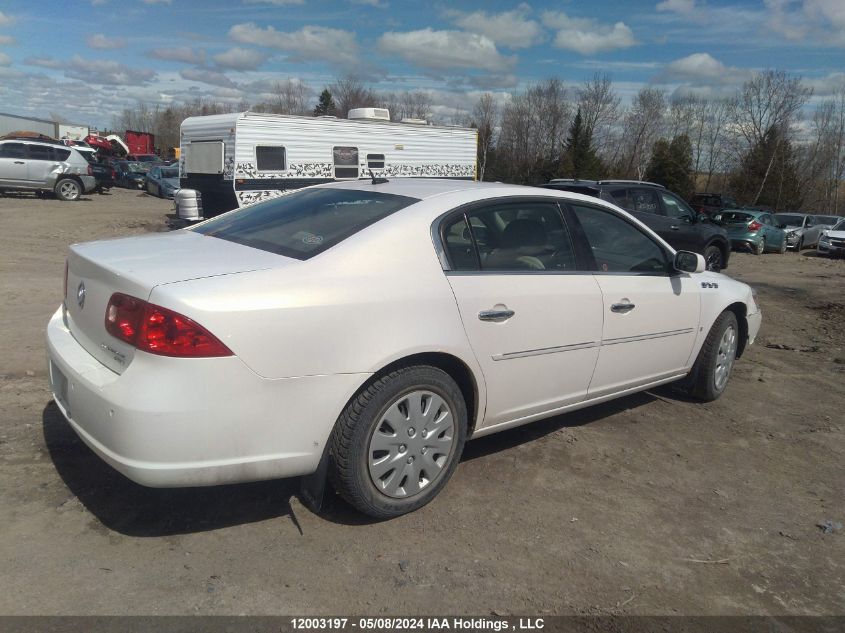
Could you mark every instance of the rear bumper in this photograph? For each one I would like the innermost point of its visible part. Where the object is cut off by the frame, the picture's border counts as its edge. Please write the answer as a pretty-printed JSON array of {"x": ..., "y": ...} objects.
[
  {"x": 168, "y": 422},
  {"x": 89, "y": 183}
]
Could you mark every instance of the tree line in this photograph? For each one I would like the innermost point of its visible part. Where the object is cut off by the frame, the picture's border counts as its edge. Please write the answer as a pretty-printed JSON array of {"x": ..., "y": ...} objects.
[{"x": 761, "y": 145}]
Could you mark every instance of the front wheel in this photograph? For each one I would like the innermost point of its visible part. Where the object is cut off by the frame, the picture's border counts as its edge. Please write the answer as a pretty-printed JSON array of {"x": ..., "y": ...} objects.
[
  {"x": 67, "y": 189},
  {"x": 782, "y": 249},
  {"x": 713, "y": 258},
  {"x": 712, "y": 369},
  {"x": 398, "y": 441}
]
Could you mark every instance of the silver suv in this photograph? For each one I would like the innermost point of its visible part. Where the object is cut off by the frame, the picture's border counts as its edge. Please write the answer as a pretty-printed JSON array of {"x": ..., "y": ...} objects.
[{"x": 44, "y": 167}]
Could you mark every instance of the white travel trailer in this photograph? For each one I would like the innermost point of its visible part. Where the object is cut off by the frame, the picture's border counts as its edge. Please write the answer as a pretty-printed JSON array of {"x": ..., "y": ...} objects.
[{"x": 232, "y": 160}]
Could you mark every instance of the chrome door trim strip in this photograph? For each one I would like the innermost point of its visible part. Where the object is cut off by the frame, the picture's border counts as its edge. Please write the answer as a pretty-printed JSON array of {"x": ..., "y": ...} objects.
[
  {"x": 646, "y": 337},
  {"x": 546, "y": 350}
]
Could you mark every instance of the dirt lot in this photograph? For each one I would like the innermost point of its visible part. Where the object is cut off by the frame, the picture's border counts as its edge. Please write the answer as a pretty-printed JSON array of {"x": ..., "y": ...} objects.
[{"x": 648, "y": 505}]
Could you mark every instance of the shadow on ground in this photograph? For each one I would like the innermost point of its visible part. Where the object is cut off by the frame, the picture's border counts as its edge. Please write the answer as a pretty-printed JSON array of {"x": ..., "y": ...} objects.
[{"x": 133, "y": 510}]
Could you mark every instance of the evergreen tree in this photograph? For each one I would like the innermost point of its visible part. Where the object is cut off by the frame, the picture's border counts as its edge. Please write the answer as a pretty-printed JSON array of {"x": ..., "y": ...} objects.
[
  {"x": 579, "y": 158},
  {"x": 326, "y": 105},
  {"x": 768, "y": 174},
  {"x": 671, "y": 165}
]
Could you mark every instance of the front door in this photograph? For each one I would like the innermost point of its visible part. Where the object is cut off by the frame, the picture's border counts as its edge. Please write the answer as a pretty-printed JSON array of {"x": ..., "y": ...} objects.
[
  {"x": 13, "y": 164},
  {"x": 650, "y": 315},
  {"x": 532, "y": 318}
]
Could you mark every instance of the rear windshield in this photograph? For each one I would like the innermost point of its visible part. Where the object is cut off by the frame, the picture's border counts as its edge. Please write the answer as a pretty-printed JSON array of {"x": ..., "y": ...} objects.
[
  {"x": 732, "y": 217},
  {"x": 304, "y": 223}
]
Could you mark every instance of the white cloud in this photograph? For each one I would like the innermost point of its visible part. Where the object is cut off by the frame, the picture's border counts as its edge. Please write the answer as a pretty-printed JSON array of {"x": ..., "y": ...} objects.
[
  {"x": 96, "y": 71},
  {"x": 278, "y": 3},
  {"x": 6, "y": 20},
  {"x": 703, "y": 74},
  {"x": 5, "y": 60},
  {"x": 98, "y": 40},
  {"x": 179, "y": 54},
  {"x": 7, "y": 40},
  {"x": 682, "y": 7},
  {"x": 240, "y": 58},
  {"x": 444, "y": 50},
  {"x": 586, "y": 35},
  {"x": 207, "y": 76},
  {"x": 510, "y": 28},
  {"x": 818, "y": 21},
  {"x": 311, "y": 43}
]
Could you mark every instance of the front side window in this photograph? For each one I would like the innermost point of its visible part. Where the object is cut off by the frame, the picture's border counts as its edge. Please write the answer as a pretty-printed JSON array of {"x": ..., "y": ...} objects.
[
  {"x": 676, "y": 208},
  {"x": 304, "y": 223},
  {"x": 270, "y": 158},
  {"x": 12, "y": 150},
  {"x": 617, "y": 245},
  {"x": 511, "y": 237},
  {"x": 345, "y": 162}
]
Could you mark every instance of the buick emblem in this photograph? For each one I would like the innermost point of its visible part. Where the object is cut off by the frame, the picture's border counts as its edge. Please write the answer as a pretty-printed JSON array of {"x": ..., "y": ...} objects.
[{"x": 80, "y": 295}]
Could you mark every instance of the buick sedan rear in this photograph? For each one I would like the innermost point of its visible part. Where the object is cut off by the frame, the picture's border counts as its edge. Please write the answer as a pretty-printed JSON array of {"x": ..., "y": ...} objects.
[{"x": 369, "y": 329}]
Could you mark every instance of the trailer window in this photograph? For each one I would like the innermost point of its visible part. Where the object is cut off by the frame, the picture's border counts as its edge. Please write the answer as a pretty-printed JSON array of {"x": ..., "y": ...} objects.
[
  {"x": 375, "y": 161},
  {"x": 204, "y": 157},
  {"x": 345, "y": 162},
  {"x": 270, "y": 158}
]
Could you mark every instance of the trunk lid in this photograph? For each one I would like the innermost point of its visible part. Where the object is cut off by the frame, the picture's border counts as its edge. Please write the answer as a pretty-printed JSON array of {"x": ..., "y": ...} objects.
[{"x": 136, "y": 265}]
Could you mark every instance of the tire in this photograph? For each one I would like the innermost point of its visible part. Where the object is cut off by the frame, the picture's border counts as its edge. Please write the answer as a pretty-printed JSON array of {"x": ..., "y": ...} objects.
[
  {"x": 68, "y": 190},
  {"x": 761, "y": 247},
  {"x": 782, "y": 247},
  {"x": 380, "y": 456},
  {"x": 712, "y": 369},
  {"x": 713, "y": 258}
]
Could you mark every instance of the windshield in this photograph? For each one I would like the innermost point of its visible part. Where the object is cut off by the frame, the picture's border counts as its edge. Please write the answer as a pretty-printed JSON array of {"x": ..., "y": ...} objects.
[
  {"x": 172, "y": 172},
  {"x": 304, "y": 223},
  {"x": 139, "y": 167},
  {"x": 789, "y": 220},
  {"x": 839, "y": 226}
]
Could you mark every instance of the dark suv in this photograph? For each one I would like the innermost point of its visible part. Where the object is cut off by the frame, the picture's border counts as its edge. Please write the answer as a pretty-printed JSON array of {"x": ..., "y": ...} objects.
[
  {"x": 710, "y": 203},
  {"x": 662, "y": 211}
]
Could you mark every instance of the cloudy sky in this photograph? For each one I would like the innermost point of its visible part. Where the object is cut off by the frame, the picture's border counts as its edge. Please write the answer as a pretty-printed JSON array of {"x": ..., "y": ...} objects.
[{"x": 85, "y": 60}]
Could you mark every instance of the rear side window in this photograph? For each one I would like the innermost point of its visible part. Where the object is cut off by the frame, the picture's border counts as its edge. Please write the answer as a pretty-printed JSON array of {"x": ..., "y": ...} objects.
[
  {"x": 304, "y": 223},
  {"x": 270, "y": 158},
  {"x": 64, "y": 154},
  {"x": 39, "y": 152},
  {"x": 617, "y": 245}
]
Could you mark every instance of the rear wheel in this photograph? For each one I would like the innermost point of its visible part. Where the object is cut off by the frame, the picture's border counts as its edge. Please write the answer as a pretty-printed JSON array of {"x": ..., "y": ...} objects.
[
  {"x": 761, "y": 246},
  {"x": 713, "y": 258},
  {"x": 399, "y": 441},
  {"x": 67, "y": 189},
  {"x": 712, "y": 369}
]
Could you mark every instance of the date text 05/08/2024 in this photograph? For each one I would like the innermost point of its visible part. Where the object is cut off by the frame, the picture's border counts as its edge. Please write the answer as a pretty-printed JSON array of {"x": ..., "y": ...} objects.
[{"x": 417, "y": 624}]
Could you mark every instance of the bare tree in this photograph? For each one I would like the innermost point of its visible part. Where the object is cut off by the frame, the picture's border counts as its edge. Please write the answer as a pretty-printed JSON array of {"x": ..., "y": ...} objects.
[
  {"x": 484, "y": 118},
  {"x": 350, "y": 92},
  {"x": 599, "y": 106},
  {"x": 643, "y": 124}
]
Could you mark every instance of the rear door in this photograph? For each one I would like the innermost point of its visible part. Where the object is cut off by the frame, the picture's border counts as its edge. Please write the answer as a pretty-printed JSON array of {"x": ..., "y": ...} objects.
[
  {"x": 649, "y": 315},
  {"x": 41, "y": 165},
  {"x": 681, "y": 223},
  {"x": 13, "y": 164},
  {"x": 532, "y": 318}
]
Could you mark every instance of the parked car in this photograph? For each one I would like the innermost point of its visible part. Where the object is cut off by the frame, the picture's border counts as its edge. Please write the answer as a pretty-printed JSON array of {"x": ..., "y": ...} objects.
[
  {"x": 802, "y": 229},
  {"x": 367, "y": 330},
  {"x": 102, "y": 171},
  {"x": 710, "y": 203},
  {"x": 832, "y": 241},
  {"x": 44, "y": 167},
  {"x": 663, "y": 212},
  {"x": 130, "y": 175},
  {"x": 753, "y": 230},
  {"x": 162, "y": 181}
]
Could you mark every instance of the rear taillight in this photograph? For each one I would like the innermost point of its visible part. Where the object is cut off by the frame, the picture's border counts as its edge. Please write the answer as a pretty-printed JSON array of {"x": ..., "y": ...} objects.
[
  {"x": 90, "y": 170},
  {"x": 754, "y": 225},
  {"x": 113, "y": 174},
  {"x": 158, "y": 330}
]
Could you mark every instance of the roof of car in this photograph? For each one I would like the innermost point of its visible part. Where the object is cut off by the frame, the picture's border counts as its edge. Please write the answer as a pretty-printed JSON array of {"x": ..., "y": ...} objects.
[{"x": 423, "y": 188}]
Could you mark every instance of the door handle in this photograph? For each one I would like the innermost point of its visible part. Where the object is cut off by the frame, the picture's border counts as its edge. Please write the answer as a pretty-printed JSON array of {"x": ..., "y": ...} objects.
[
  {"x": 675, "y": 227},
  {"x": 622, "y": 308},
  {"x": 19, "y": 162},
  {"x": 495, "y": 315}
]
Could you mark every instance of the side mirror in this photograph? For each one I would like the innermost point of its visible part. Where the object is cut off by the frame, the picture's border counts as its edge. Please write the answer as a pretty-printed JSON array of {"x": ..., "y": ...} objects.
[
  {"x": 687, "y": 262},
  {"x": 703, "y": 217},
  {"x": 717, "y": 218}
]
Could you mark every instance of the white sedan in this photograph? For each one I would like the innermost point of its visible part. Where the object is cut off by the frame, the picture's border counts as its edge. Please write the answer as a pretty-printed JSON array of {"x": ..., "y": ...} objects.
[{"x": 368, "y": 329}]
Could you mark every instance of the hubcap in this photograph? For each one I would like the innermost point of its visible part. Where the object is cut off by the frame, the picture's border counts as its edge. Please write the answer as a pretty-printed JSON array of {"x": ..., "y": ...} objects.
[
  {"x": 714, "y": 261},
  {"x": 68, "y": 189},
  {"x": 411, "y": 444},
  {"x": 725, "y": 358}
]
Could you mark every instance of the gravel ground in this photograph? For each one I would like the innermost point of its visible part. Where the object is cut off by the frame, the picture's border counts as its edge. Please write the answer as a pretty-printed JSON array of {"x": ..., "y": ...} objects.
[{"x": 646, "y": 505}]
